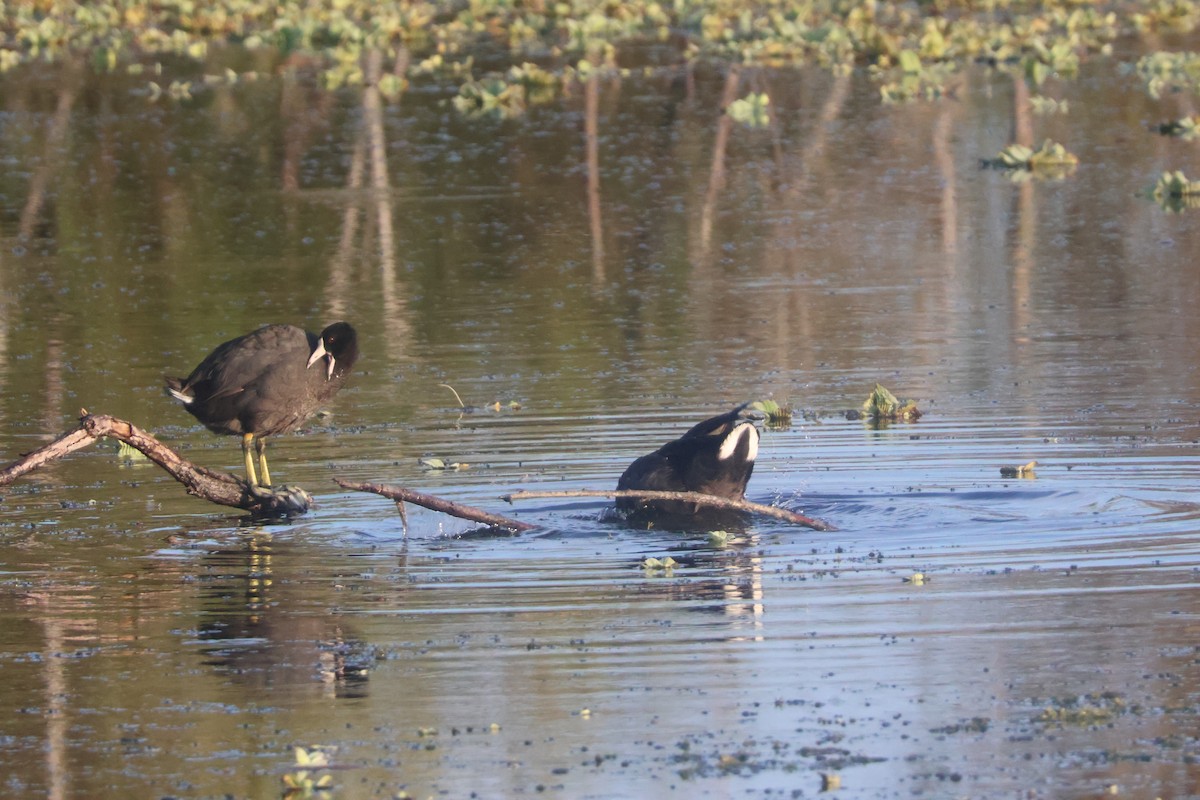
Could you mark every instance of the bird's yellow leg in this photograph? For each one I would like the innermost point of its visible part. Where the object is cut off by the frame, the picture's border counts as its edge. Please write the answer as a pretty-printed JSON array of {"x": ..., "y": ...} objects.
[
  {"x": 260, "y": 445},
  {"x": 246, "y": 439}
]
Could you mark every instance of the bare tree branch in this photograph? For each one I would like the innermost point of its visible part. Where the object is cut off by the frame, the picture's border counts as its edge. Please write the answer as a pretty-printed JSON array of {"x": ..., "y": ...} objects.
[
  {"x": 401, "y": 495},
  {"x": 228, "y": 490},
  {"x": 217, "y": 487}
]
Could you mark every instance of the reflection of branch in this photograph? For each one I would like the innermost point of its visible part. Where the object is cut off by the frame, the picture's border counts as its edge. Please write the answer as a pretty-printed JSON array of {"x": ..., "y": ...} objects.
[
  {"x": 1022, "y": 112},
  {"x": 401, "y": 495},
  {"x": 335, "y": 287},
  {"x": 832, "y": 109},
  {"x": 687, "y": 497},
  {"x": 395, "y": 318},
  {"x": 591, "y": 125},
  {"x": 217, "y": 487},
  {"x": 716, "y": 178},
  {"x": 943, "y": 156},
  {"x": 50, "y": 161}
]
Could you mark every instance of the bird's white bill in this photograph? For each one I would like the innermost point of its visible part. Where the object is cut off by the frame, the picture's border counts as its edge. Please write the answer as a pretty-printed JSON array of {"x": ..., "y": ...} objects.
[{"x": 318, "y": 352}]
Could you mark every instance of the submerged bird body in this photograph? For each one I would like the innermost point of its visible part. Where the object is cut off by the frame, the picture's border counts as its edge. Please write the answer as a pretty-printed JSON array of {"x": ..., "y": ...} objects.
[
  {"x": 267, "y": 382},
  {"x": 715, "y": 457}
]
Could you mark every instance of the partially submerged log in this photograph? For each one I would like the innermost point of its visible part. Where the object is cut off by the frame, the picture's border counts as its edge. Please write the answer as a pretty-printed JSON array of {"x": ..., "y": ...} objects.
[
  {"x": 707, "y": 500},
  {"x": 218, "y": 487}
]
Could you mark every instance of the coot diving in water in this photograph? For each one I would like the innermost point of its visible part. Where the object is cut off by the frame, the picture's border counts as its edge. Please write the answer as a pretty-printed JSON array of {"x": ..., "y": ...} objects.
[
  {"x": 267, "y": 382},
  {"x": 715, "y": 457}
]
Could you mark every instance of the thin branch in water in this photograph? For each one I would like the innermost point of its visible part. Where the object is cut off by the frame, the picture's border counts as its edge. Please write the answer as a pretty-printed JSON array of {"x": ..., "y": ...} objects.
[
  {"x": 461, "y": 404},
  {"x": 689, "y": 497},
  {"x": 400, "y": 494}
]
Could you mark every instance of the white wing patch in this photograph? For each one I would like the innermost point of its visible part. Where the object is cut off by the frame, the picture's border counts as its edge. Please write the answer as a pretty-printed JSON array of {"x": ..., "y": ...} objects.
[{"x": 734, "y": 438}]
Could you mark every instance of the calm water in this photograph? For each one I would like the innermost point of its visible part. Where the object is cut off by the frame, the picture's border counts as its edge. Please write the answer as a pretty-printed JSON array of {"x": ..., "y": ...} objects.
[{"x": 153, "y": 645}]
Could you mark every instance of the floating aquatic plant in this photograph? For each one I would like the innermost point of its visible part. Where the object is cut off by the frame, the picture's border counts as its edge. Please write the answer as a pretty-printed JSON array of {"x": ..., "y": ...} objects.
[
  {"x": 1176, "y": 184},
  {"x": 1175, "y": 191},
  {"x": 1045, "y": 106},
  {"x": 1051, "y": 160},
  {"x": 1187, "y": 128},
  {"x": 441, "y": 464},
  {"x": 310, "y": 776},
  {"x": 1086, "y": 710},
  {"x": 883, "y": 406},
  {"x": 491, "y": 96},
  {"x": 917, "y": 79},
  {"x": 128, "y": 454},
  {"x": 659, "y": 568},
  {"x": 1170, "y": 15},
  {"x": 777, "y": 415},
  {"x": 753, "y": 110},
  {"x": 1162, "y": 71}
]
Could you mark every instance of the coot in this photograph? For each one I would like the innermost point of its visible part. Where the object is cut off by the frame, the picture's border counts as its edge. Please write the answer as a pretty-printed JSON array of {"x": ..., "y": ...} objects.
[
  {"x": 267, "y": 382},
  {"x": 715, "y": 457}
]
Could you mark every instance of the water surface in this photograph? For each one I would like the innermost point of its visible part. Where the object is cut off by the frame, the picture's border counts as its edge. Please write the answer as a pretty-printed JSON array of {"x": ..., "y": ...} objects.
[{"x": 154, "y": 645}]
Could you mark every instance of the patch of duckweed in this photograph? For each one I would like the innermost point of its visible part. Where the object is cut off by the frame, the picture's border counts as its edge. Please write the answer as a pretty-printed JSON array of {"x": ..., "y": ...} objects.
[
  {"x": 1085, "y": 710},
  {"x": 1163, "y": 72},
  {"x": 1046, "y": 106},
  {"x": 692, "y": 759}
]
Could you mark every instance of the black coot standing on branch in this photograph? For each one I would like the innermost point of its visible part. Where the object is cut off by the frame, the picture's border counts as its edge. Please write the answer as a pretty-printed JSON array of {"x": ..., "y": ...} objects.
[
  {"x": 267, "y": 382},
  {"x": 715, "y": 457}
]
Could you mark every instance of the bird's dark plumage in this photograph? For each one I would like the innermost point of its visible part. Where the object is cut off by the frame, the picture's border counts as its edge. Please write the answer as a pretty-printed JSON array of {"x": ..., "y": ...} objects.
[
  {"x": 715, "y": 457},
  {"x": 267, "y": 382}
]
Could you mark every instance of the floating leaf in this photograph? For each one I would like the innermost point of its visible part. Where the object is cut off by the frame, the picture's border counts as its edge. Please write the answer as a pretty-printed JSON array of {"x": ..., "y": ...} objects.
[
  {"x": 718, "y": 538},
  {"x": 129, "y": 453},
  {"x": 882, "y": 405},
  {"x": 753, "y": 110},
  {"x": 311, "y": 758},
  {"x": 1051, "y": 160},
  {"x": 655, "y": 567},
  {"x": 1176, "y": 184},
  {"x": 910, "y": 62},
  {"x": 1187, "y": 128},
  {"x": 439, "y": 464},
  {"x": 1045, "y": 106},
  {"x": 777, "y": 415}
]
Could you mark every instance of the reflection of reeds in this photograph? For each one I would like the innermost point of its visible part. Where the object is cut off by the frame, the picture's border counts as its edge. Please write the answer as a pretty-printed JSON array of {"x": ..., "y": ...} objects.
[
  {"x": 55, "y": 135},
  {"x": 58, "y": 720},
  {"x": 370, "y": 153},
  {"x": 716, "y": 175},
  {"x": 592, "y": 145}
]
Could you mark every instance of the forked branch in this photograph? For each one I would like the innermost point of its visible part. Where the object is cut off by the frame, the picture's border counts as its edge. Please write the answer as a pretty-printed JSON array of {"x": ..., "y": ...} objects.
[
  {"x": 228, "y": 490},
  {"x": 217, "y": 487}
]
